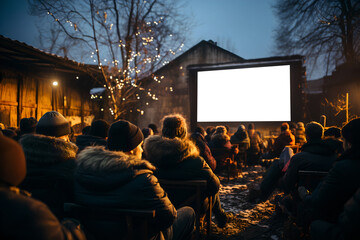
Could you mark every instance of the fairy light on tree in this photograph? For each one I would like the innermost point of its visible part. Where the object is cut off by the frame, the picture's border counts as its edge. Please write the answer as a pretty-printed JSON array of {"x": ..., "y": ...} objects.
[{"x": 128, "y": 40}]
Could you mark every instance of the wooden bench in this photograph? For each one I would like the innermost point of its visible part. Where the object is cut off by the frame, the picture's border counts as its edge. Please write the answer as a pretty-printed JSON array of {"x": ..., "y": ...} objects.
[
  {"x": 136, "y": 220},
  {"x": 199, "y": 186}
]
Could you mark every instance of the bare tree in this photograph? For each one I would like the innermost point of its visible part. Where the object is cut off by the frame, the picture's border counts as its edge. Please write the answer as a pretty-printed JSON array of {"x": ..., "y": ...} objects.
[
  {"x": 128, "y": 39},
  {"x": 326, "y": 30}
]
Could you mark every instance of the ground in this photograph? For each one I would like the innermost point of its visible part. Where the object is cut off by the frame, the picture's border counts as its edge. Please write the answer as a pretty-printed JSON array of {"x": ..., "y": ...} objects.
[{"x": 251, "y": 220}]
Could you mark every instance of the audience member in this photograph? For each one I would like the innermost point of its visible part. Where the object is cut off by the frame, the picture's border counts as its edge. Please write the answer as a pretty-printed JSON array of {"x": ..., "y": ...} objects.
[
  {"x": 177, "y": 158},
  {"x": 241, "y": 138},
  {"x": 97, "y": 135},
  {"x": 27, "y": 125},
  {"x": 315, "y": 155},
  {"x": 85, "y": 130},
  {"x": 300, "y": 137},
  {"x": 333, "y": 136},
  {"x": 147, "y": 132},
  {"x": 154, "y": 128},
  {"x": 10, "y": 133},
  {"x": 285, "y": 138},
  {"x": 22, "y": 217},
  {"x": 221, "y": 148},
  {"x": 50, "y": 162},
  {"x": 119, "y": 178},
  {"x": 198, "y": 139},
  {"x": 256, "y": 145},
  {"x": 209, "y": 132},
  {"x": 343, "y": 179}
]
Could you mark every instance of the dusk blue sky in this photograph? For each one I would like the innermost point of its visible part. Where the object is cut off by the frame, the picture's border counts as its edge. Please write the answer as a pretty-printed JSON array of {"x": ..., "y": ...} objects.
[{"x": 244, "y": 27}]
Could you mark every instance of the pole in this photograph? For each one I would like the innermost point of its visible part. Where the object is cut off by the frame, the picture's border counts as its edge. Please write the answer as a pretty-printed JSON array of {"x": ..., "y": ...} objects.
[{"x": 347, "y": 107}]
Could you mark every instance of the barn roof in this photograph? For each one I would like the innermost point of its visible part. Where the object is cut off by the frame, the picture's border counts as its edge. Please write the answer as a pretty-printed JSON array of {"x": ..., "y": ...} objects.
[{"x": 15, "y": 53}]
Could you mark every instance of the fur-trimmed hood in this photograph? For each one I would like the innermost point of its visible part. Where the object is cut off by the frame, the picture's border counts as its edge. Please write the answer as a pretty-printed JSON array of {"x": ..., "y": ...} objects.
[
  {"x": 46, "y": 149},
  {"x": 166, "y": 152},
  {"x": 98, "y": 168}
]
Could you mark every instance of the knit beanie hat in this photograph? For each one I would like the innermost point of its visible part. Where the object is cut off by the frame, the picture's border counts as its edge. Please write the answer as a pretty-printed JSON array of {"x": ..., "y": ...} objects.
[
  {"x": 251, "y": 126},
  {"x": 53, "y": 124},
  {"x": 174, "y": 126},
  {"x": 99, "y": 128},
  {"x": 124, "y": 136},
  {"x": 12, "y": 162},
  {"x": 351, "y": 132},
  {"x": 333, "y": 131},
  {"x": 28, "y": 125},
  {"x": 314, "y": 131}
]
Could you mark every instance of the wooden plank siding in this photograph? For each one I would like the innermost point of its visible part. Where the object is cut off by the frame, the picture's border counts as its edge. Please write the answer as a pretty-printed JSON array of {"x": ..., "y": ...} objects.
[{"x": 26, "y": 90}]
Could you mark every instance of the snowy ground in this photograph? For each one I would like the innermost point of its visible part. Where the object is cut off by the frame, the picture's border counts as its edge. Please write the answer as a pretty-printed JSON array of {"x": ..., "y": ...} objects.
[{"x": 251, "y": 221}]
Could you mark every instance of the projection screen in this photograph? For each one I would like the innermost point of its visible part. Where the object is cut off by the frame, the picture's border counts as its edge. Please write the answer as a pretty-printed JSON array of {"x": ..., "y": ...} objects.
[{"x": 256, "y": 94}]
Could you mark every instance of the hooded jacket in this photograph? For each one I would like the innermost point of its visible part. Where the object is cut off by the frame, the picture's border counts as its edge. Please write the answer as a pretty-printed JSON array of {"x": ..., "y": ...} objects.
[
  {"x": 338, "y": 186},
  {"x": 241, "y": 138},
  {"x": 178, "y": 159},
  {"x": 316, "y": 155},
  {"x": 50, "y": 164},
  {"x": 116, "y": 180}
]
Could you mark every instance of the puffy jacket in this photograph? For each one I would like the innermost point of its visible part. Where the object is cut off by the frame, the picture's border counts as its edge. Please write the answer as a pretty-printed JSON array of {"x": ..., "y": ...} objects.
[
  {"x": 116, "y": 180},
  {"x": 50, "y": 164},
  {"x": 178, "y": 159}
]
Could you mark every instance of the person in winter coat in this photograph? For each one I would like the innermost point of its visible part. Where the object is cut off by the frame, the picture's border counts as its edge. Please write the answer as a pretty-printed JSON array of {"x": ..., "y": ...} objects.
[
  {"x": 119, "y": 178},
  {"x": 346, "y": 227},
  {"x": 256, "y": 145},
  {"x": 50, "y": 162},
  {"x": 22, "y": 217},
  {"x": 300, "y": 137},
  {"x": 221, "y": 148},
  {"x": 198, "y": 139},
  {"x": 343, "y": 179},
  {"x": 177, "y": 158},
  {"x": 241, "y": 137},
  {"x": 333, "y": 136},
  {"x": 97, "y": 135},
  {"x": 315, "y": 155},
  {"x": 285, "y": 138}
]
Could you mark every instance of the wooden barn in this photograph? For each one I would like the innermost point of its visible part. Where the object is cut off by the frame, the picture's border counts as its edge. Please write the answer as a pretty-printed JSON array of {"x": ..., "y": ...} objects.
[
  {"x": 33, "y": 82},
  {"x": 170, "y": 83}
]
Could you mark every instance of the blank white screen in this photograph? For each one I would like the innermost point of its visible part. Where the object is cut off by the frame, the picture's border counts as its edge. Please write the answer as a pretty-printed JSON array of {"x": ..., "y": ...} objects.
[{"x": 244, "y": 95}]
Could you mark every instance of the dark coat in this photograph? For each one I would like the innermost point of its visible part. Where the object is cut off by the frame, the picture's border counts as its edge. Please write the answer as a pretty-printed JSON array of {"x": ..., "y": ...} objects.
[
  {"x": 242, "y": 139},
  {"x": 82, "y": 141},
  {"x": 204, "y": 149},
  {"x": 178, "y": 159},
  {"x": 340, "y": 185},
  {"x": 22, "y": 217},
  {"x": 347, "y": 226},
  {"x": 50, "y": 164},
  {"x": 116, "y": 180},
  {"x": 314, "y": 156}
]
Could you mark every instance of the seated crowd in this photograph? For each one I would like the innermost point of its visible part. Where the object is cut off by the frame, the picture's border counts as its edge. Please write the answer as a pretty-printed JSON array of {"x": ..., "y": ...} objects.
[{"x": 120, "y": 166}]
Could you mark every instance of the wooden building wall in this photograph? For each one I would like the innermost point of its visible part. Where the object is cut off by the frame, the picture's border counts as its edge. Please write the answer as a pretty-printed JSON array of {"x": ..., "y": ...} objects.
[{"x": 30, "y": 94}]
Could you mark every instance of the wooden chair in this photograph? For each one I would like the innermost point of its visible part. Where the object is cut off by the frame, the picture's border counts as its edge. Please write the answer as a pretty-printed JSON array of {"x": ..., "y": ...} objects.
[
  {"x": 310, "y": 179},
  {"x": 225, "y": 161},
  {"x": 199, "y": 186},
  {"x": 136, "y": 220}
]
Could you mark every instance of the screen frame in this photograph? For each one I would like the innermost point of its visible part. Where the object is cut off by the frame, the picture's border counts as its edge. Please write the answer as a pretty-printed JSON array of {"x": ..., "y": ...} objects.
[{"x": 296, "y": 79}]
